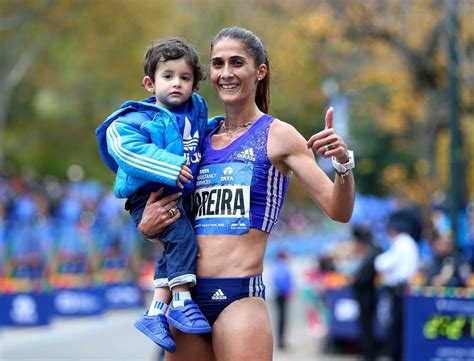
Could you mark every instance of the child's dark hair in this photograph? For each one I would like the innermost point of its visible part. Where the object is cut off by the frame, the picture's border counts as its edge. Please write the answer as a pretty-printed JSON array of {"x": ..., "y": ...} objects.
[
  {"x": 162, "y": 50},
  {"x": 256, "y": 48}
]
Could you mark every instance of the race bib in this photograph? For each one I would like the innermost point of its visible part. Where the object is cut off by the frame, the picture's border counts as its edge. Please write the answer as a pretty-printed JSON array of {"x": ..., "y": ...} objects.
[{"x": 222, "y": 198}]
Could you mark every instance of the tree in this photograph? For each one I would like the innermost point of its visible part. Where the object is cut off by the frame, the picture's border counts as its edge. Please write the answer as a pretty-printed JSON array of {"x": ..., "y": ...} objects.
[
  {"x": 22, "y": 43},
  {"x": 396, "y": 78}
]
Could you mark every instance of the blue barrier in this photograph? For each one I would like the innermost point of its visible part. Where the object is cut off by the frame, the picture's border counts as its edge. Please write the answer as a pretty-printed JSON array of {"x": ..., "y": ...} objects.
[
  {"x": 439, "y": 328},
  {"x": 436, "y": 327},
  {"x": 344, "y": 309},
  {"x": 27, "y": 309},
  {"x": 77, "y": 302},
  {"x": 30, "y": 309}
]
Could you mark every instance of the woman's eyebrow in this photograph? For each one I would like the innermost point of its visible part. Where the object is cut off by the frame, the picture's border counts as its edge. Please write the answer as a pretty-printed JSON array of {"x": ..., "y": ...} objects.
[
  {"x": 237, "y": 57},
  {"x": 234, "y": 57}
]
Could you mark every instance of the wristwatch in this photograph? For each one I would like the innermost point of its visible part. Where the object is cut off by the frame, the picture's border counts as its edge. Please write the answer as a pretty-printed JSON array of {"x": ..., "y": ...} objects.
[{"x": 343, "y": 168}]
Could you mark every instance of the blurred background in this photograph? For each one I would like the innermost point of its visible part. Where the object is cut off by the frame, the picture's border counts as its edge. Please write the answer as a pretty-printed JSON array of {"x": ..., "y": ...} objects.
[{"x": 74, "y": 273}]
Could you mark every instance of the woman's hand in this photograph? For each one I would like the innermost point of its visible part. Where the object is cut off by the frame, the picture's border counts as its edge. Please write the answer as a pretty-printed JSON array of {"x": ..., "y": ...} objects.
[
  {"x": 158, "y": 214},
  {"x": 327, "y": 143}
]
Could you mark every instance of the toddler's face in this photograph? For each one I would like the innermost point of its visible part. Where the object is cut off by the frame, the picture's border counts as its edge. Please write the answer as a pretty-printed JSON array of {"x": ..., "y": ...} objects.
[{"x": 173, "y": 83}]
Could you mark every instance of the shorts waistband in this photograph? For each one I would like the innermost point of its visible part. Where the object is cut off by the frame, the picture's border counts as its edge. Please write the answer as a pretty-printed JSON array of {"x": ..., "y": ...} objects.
[{"x": 252, "y": 285}]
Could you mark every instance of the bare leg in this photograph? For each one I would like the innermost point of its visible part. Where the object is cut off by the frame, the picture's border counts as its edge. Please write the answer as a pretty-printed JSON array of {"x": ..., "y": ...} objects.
[
  {"x": 162, "y": 294},
  {"x": 243, "y": 332},
  {"x": 181, "y": 288},
  {"x": 191, "y": 347}
]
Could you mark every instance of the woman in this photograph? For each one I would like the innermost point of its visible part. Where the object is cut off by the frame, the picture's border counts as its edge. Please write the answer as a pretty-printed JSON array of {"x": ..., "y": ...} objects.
[{"x": 244, "y": 173}]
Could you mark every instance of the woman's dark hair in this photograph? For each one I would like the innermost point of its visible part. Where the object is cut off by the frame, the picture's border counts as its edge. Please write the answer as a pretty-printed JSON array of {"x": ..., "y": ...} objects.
[
  {"x": 256, "y": 48},
  {"x": 162, "y": 50}
]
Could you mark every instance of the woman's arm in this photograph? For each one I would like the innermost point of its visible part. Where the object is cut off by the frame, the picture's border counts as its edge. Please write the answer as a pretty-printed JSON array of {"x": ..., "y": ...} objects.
[{"x": 289, "y": 152}]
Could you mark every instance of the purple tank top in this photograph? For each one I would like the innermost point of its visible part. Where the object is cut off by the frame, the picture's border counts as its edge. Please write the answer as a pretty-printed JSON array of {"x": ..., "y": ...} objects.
[{"x": 237, "y": 187}]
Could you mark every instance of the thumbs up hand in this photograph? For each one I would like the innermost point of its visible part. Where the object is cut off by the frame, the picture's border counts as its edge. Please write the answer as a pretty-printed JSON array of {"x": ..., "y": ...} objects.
[
  {"x": 328, "y": 118},
  {"x": 327, "y": 143}
]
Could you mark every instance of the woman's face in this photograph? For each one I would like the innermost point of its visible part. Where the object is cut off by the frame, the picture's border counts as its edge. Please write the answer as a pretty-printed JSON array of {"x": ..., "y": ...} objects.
[{"x": 233, "y": 72}]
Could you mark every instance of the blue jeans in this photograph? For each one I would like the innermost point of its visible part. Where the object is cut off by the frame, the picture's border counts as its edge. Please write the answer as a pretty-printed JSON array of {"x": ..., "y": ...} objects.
[{"x": 177, "y": 264}]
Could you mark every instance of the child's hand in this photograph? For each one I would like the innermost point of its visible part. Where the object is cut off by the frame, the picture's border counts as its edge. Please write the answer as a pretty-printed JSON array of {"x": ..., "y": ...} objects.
[{"x": 185, "y": 176}]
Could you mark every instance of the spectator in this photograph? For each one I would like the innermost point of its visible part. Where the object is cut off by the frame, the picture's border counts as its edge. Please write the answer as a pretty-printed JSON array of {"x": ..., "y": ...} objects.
[
  {"x": 447, "y": 267},
  {"x": 363, "y": 284},
  {"x": 412, "y": 215},
  {"x": 283, "y": 283},
  {"x": 397, "y": 266}
]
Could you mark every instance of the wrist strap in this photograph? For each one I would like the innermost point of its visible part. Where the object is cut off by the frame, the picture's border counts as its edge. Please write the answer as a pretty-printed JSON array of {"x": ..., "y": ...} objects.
[{"x": 342, "y": 175}]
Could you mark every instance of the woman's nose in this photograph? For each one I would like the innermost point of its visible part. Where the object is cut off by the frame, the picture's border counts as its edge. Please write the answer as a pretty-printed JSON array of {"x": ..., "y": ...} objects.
[{"x": 226, "y": 71}]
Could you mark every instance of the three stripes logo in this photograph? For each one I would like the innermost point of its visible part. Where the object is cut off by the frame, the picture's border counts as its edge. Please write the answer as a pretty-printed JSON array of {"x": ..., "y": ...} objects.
[
  {"x": 247, "y": 154},
  {"x": 219, "y": 295}
]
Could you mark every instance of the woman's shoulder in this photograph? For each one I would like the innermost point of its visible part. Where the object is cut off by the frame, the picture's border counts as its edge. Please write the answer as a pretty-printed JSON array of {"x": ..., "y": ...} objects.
[
  {"x": 279, "y": 127},
  {"x": 284, "y": 133},
  {"x": 284, "y": 140}
]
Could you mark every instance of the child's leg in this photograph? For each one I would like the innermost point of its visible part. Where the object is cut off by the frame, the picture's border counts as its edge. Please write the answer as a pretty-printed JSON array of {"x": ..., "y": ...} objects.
[
  {"x": 180, "y": 252},
  {"x": 180, "y": 293},
  {"x": 154, "y": 323},
  {"x": 161, "y": 295},
  {"x": 159, "y": 303}
]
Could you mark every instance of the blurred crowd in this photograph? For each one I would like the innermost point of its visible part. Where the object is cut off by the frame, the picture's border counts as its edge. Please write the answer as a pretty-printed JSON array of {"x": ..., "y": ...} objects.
[
  {"x": 442, "y": 261},
  {"x": 49, "y": 228},
  {"x": 80, "y": 226}
]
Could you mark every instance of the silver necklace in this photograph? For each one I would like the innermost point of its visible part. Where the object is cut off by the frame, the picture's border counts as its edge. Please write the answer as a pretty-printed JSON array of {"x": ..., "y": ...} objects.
[{"x": 233, "y": 128}]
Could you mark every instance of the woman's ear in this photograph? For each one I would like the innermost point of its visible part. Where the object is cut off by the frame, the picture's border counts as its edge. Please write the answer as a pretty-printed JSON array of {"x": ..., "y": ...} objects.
[
  {"x": 148, "y": 84},
  {"x": 261, "y": 71}
]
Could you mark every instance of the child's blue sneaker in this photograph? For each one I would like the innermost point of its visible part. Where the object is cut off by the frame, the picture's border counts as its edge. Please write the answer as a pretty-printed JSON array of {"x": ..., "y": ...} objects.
[
  {"x": 157, "y": 329},
  {"x": 188, "y": 318}
]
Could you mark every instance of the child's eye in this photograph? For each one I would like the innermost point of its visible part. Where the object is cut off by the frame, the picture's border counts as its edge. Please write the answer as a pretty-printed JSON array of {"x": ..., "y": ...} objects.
[
  {"x": 186, "y": 78},
  {"x": 167, "y": 76}
]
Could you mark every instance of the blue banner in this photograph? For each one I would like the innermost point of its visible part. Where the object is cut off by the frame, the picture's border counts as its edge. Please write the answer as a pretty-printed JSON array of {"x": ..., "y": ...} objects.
[
  {"x": 345, "y": 314},
  {"x": 123, "y": 295},
  {"x": 79, "y": 302},
  {"x": 439, "y": 328},
  {"x": 25, "y": 309}
]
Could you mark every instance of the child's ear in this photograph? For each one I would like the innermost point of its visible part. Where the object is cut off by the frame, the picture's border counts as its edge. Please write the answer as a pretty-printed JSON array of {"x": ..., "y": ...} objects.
[{"x": 148, "y": 84}]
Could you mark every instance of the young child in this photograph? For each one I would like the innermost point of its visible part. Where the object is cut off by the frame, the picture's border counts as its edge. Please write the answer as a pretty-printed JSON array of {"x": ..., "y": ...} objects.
[{"x": 156, "y": 144}]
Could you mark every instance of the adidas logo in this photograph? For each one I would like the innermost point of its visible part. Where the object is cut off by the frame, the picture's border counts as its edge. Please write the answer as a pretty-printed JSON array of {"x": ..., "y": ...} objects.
[
  {"x": 247, "y": 154},
  {"x": 219, "y": 295}
]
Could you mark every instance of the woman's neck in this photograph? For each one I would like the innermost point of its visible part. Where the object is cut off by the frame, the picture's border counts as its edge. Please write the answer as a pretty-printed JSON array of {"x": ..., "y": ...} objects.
[{"x": 237, "y": 115}]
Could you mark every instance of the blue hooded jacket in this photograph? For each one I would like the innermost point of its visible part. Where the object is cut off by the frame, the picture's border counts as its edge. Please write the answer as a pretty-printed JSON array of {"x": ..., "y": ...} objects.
[{"x": 141, "y": 142}]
